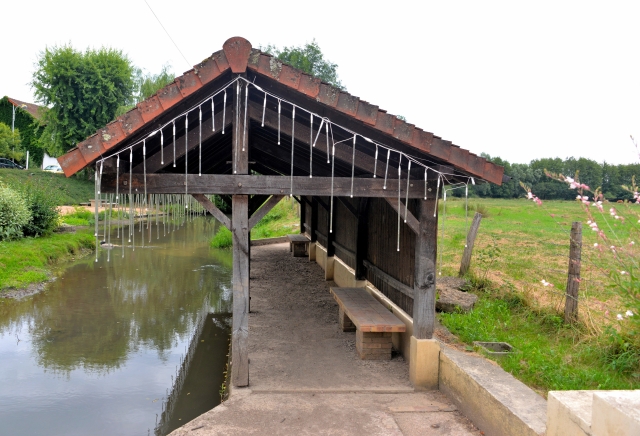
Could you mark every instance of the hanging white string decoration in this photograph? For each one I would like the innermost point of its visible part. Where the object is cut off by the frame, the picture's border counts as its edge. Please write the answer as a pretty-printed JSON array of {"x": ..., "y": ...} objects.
[
  {"x": 237, "y": 127},
  {"x": 161, "y": 147},
  {"x": 264, "y": 108},
  {"x": 399, "y": 202},
  {"x": 279, "y": 111},
  {"x": 406, "y": 201},
  {"x": 353, "y": 164},
  {"x": 375, "y": 163},
  {"x": 386, "y": 170},
  {"x": 425, "y": 183},
  {"x": 174, "y": 143},
  {"x": 213, "y": 116},
  {"x": 311, "y": 145},
  {"x": 224, "y": 110},
  {"x": 186, "y": 153},
  {"x": 200, "y": 142},
  {"x": 246, "y": 106},
  {"x": 293, "y": 138},
  {"x": 435, "y": 209}
]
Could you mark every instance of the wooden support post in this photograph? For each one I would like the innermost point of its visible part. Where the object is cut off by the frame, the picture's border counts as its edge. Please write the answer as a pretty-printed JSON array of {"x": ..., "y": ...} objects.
[
  {"x": 362, "y": 238},
  {"x": 241, "y": 252},
  {"x": 303, "y": 213},
  {"x": 424, "y": 288},
  {"x": 468, "y": 248},
  {"x": 240, "y": 331},
  {"x": 314, "y": 219},
  {"x": 331, "y": 250},
  {"x": 573, "y": 278}
]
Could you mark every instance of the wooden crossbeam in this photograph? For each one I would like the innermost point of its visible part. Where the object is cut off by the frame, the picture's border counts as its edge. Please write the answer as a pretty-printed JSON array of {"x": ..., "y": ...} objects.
[
  {"x": 411, "y": 220},
  {"x": 252, "y": 184},
  {"x": 213, "y": 210},
  {"x": 266, "y": 207}
]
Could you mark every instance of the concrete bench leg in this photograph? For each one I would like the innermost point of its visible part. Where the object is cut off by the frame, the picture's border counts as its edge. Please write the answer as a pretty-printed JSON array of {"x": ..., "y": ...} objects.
[
  {"x": 373, "y": 346},
  {"x": 345, "y": 323}
]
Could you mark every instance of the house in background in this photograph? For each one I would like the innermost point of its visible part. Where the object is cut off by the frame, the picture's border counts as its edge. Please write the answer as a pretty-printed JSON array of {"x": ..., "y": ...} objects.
[{"x": 26, "y": 116}]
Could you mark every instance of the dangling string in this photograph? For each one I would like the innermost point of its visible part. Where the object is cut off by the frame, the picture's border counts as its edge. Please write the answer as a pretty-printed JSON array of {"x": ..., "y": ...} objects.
[
  {"x": 161, "y": 147},
  {"x": 353, "y": 163},
  {"x": 174, "y": 143},
  {"x": 109, "y": 228},
  {"x": 131, "y": 229},
  {"x": 264, "y": 108},
  {"x": 117, "y": 190},
  {"x": 213, "y": 116},
  {"x": 244, "y": 133},
  {"x": 224, "y": 110},
  {"x": 326, "y": 128},
  {"x": 235, "y": 160},
  {"x": 435, "y": 209},
  {"x": 186, "y": 152},
  {"x": 399, "y": 202},
  {"x": 144, "y": 166},
  {"x": 444, "y": 218},
  {"x": 386, "y": 170},
  {"x": 333, "y": 164},
  {"x": 279, "y": 110},
  {"x": 425, "y": 183},
  {"x": 311, "y": 145},
  {"x": 406, "y": 201},
  {"x": 375, "y": 163},
  {"x": 200, "y": 143},
  {"x": 293, "y": 137},
  {"x": 466, "y": 209},
  {"x": 96, "y": 201}
]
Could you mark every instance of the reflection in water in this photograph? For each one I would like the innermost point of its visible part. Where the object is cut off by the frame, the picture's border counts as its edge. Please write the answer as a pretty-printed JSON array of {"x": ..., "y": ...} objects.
[{"x": 98, "y": 350}]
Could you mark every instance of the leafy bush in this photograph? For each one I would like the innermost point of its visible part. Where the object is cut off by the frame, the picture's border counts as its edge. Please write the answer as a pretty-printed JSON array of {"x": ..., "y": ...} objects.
[
  {"x": 14, "y": 214},
  {"x": 43, "y": 204},
  {"x": 223, "y": 238}
]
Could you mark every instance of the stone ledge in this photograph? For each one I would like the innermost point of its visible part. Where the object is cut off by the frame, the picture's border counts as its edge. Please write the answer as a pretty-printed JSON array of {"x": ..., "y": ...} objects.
[{"x": 490, "y": 397}]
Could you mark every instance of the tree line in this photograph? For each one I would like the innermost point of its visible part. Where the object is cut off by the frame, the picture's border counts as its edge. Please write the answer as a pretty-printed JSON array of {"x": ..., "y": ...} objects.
[{"x": 608, "y": 177}]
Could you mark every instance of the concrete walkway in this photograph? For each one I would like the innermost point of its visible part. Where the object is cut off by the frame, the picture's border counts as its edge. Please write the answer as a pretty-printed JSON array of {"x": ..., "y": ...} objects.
[{"x": 305, "y": 375}]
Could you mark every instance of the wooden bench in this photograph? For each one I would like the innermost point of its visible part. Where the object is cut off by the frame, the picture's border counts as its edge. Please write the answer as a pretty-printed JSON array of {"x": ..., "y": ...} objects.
[
  {"x": 298, "y": 245},
  {"x": 373, "y": 322}
]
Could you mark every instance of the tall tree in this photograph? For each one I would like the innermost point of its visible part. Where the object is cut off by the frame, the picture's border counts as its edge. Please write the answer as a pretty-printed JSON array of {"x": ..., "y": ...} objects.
[
  {"x": 146, "y": 84},
  {"x": 82, "y": 90},
  {"x": 10, "y": 144},
  {"x": 308, "y": 58}
]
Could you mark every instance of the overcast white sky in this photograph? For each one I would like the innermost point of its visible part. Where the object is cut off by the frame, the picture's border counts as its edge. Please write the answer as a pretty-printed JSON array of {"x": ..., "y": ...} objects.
[{"x": 515, "y": 80}]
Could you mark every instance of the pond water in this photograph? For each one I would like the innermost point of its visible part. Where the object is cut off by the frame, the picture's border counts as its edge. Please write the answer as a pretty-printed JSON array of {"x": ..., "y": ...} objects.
[{"x": 134, "y": 345}]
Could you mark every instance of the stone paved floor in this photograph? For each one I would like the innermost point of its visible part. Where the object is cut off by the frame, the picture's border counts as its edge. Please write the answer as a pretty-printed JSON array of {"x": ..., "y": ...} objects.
[{"x": 305, "y": 376}]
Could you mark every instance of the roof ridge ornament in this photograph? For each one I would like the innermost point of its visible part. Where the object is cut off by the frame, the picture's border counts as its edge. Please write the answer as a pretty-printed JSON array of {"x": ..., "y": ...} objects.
[{"x": 237, "y": 51}]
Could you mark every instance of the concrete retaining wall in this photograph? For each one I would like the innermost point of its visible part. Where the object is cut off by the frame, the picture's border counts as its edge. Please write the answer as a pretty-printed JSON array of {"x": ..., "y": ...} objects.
[{"x": 493, "y": 399}]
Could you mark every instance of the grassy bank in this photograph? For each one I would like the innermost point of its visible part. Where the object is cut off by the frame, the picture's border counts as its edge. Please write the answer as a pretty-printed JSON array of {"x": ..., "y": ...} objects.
[
  {"x": 73, "y": 190},
  {"x": 31, "y": 260},
  {"x": 282, "y": 220},
  {"x": 518, "y": 246}
]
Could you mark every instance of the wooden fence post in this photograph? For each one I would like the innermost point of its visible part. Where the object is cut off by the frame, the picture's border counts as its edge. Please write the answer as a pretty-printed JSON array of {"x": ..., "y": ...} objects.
[
  {"x": 573, "y": 278},
  {"x": 468, "y": 248}
]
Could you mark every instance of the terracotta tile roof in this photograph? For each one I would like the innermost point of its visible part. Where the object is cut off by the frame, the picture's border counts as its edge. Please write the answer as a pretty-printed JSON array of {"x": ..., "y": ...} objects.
[
  {"x": 237, "y": 55},
  {"x": 33, "y": 109}
]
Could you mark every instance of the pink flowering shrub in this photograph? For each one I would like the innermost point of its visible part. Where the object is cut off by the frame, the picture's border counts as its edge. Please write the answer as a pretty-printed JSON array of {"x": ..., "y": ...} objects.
[{"x": 616, "y": 226}]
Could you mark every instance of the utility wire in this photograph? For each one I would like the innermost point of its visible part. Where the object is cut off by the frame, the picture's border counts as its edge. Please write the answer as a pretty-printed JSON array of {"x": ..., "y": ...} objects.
[{"x": 165, "y": 30}]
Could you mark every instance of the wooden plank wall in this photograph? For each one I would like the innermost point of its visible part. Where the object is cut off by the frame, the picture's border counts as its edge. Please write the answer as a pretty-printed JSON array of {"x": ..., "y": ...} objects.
[{"x": 382, "y": 248}]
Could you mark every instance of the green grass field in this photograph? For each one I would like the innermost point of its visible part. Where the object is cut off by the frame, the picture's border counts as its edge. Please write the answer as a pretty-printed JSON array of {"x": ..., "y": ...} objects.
[
  {"x": 72, "y": 191},
  {"x": 280, "y": 221},
  {"x": 518, "y": 245},
  {"x": 30, "y": 260}
]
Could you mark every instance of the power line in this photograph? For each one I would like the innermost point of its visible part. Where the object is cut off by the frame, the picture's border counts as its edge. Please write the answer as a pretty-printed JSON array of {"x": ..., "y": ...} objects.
[{"x": 165, "y": 30}]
